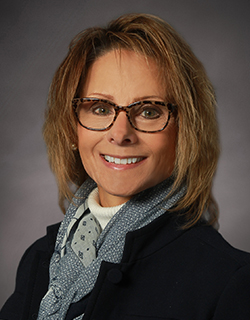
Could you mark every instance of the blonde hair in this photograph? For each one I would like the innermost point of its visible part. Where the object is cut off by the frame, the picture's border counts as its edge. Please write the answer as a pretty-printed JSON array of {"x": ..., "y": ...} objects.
[{"x": 187, "y": 86}]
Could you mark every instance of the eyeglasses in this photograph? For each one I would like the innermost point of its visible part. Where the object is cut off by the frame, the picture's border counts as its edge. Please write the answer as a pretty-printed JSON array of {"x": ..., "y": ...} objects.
[{"x": 100, "y": 114}]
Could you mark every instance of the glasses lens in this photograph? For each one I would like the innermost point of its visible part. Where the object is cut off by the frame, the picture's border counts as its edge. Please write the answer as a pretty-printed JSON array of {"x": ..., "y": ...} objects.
[
  {"x": 149, "y": 116},
  {"x": 95, "y": 114}
]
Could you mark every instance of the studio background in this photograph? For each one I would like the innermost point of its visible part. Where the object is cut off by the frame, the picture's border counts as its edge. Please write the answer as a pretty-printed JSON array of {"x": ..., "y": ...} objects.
[{"x": 34, "y": 37}]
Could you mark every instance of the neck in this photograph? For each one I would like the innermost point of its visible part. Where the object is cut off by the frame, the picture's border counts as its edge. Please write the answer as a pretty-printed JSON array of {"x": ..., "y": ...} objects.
[{"x": 110, "y": 200}]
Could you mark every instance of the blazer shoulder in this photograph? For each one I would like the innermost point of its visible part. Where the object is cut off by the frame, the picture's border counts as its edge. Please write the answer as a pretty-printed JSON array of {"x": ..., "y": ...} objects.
[
  {"x": 47, "y": 242},
  {"x": 32, "y": 278},
  {"x": 210, "y": 237},
  {"x": 234, "y": 301}
]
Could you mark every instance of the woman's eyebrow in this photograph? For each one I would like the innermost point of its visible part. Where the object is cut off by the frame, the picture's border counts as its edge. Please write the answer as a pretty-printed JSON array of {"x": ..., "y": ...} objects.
[
  {"x": 139, "y": 98},
  {"x": 102, "y": 95},
  {"x": 149, "y": 97}
]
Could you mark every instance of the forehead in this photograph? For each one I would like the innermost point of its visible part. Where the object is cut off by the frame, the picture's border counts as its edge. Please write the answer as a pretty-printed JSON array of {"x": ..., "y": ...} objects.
[{"x": 120, "y": 71}]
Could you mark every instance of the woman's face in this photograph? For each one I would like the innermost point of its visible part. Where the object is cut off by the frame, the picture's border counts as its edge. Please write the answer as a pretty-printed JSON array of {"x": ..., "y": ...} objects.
[{"x": 124, "y": 78}]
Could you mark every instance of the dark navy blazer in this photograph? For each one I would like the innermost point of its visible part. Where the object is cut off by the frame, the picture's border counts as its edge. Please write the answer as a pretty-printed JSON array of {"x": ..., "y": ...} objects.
[{"x": 165, "y": 273}]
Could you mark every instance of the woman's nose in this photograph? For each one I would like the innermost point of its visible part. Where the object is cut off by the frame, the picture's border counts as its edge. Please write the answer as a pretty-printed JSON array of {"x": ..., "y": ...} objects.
[{"x": 121, "y": 132}]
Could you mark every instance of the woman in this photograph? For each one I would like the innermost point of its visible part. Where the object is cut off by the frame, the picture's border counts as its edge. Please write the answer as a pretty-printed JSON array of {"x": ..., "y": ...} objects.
[{"x": 131, "y": 124}]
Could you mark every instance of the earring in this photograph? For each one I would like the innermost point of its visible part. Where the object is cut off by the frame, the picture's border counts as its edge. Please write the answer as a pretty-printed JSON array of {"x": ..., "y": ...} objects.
[{"x": 74, "y": 147}]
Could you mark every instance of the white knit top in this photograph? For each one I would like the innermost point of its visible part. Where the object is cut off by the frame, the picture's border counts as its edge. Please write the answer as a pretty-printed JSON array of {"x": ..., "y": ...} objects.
[{"x": 102, "y": 214}]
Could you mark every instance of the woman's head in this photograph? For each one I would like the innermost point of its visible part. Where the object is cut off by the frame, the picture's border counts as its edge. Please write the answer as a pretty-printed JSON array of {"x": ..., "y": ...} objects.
[
  {"x": 124, "y": 159},
  {"x": 184, "y": 82}
]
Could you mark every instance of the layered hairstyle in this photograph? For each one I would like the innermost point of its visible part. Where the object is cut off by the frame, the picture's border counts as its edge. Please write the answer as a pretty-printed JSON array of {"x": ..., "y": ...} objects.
[{"x": 187, "y": 86}]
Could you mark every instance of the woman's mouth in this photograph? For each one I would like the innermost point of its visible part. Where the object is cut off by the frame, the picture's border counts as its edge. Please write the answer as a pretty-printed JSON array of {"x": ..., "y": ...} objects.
[{"x": 123, "y": 161}]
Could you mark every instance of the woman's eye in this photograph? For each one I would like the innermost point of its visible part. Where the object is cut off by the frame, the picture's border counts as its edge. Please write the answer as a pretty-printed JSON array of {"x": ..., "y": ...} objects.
[
  {"x": 150, "y": 113},
  {"x": 101, "y": 110}
]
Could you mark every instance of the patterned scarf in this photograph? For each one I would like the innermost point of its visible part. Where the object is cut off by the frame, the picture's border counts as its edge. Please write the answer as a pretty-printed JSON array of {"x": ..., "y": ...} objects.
[{"x": 70, "y": 281}]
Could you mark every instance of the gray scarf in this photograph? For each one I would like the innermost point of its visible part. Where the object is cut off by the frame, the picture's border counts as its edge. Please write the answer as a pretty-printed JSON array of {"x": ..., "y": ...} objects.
[{"x": 70, "y": 281}]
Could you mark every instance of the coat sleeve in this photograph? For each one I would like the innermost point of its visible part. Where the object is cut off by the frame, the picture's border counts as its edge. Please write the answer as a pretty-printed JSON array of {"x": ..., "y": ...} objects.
[
  {"x": 235, "y": 300},
  {"x": 31, "y": 283}
]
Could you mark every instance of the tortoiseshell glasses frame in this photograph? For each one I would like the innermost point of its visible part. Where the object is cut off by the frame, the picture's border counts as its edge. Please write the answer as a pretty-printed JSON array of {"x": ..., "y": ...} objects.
[{"x": 100, "y": 114}]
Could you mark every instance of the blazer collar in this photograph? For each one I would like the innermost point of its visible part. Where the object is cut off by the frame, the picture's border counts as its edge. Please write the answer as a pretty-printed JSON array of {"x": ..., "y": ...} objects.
[{"x": 147, "y": 240}]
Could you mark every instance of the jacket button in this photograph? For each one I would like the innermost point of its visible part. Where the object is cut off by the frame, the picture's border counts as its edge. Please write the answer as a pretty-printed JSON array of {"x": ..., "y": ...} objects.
[{"x": 114, "y": 276}]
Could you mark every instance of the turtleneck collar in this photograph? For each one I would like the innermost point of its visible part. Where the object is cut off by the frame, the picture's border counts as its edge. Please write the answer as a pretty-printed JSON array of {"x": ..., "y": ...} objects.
[{"x": 102, "y": 214}]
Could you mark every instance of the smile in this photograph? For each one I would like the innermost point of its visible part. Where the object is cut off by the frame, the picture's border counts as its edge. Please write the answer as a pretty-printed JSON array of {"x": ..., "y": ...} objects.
[{"x": 122, "y": 161}]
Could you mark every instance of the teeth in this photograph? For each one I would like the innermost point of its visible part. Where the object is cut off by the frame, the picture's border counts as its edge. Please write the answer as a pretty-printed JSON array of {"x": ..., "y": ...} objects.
[
  {"x": 121, "y": 161},
  {"x": 117, "y": 161}
]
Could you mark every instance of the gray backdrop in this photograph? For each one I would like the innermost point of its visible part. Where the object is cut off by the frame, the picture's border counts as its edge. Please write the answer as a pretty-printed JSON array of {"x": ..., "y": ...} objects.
[{"x": 34, "y": 38}]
